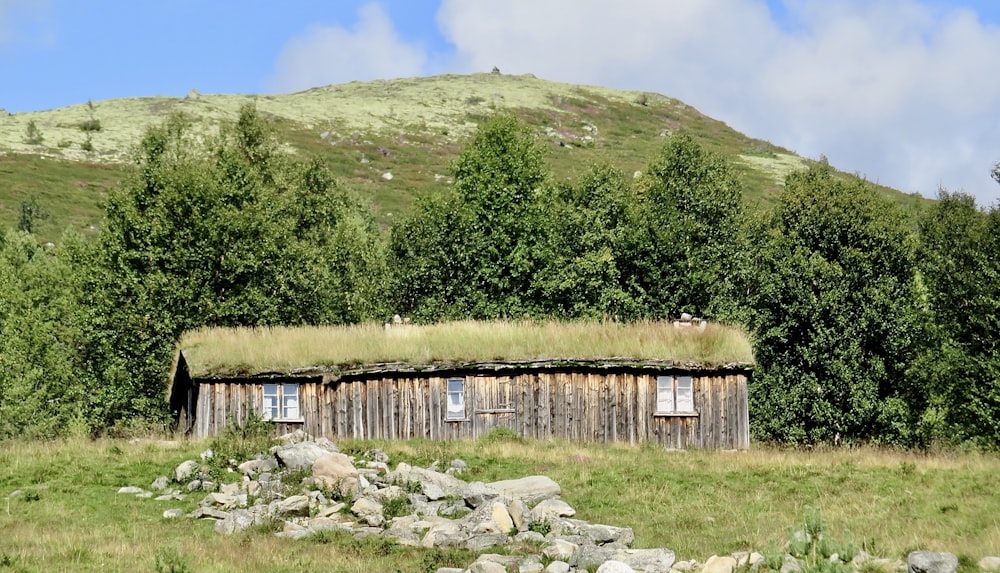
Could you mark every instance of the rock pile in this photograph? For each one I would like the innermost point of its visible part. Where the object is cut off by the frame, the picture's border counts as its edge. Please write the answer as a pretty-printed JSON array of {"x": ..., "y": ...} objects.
[{"x": 307, "y": 486}]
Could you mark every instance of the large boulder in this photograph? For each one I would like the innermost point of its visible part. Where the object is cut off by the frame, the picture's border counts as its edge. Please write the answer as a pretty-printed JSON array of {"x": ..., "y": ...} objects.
[
  {"x": 931, "y": 562},
  {"x": 530, "y": 490},
  {"x": 613, "y": 566},
  {"x": 186, "y": 470},
  {"x": 335, "y": 472},
  {"x": 236, "y": 520},
  {"x": 300, "y": 456},
  {"x": 648, "y": 560},
  {"x": 451, "y": 486}
]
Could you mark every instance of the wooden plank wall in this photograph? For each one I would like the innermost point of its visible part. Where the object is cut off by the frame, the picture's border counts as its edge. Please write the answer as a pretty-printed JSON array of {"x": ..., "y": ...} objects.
[{"x": 586, "y": 406}]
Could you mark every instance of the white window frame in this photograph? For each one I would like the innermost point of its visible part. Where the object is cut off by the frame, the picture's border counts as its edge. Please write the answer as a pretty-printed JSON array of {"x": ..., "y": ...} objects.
[
  {"x": 675, "y": 396},
  {"x": 455, "y": 408},
  {"x": 281, "y": 402}
]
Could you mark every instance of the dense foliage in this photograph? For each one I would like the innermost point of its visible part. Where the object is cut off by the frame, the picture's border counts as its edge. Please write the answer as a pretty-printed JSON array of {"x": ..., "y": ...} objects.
[{"x": 866, "y": 326}]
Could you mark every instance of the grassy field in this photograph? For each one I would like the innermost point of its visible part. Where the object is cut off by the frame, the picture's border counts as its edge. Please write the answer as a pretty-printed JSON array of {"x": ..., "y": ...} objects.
[
  {"x": 254, "y": 350},
  {"x": 68, "y": 516},
  {"x": 412, "y": 128}
]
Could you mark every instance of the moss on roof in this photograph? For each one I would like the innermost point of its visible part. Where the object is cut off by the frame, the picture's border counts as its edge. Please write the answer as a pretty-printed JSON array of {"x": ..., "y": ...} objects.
[{"x": 216, "y": 352}]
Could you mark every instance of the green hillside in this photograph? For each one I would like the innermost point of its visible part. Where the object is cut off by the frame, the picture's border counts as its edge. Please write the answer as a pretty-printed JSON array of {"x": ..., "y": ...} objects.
[{"x": 409, "y": 128}]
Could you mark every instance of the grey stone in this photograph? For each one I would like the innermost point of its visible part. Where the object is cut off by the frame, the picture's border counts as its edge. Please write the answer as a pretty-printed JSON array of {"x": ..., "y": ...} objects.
[
  {"x": 520, "y": 515},
  {"x": 931, "y": 562},
  {"x": 459, "y": 464},
  {"x": 529, "y": 537},
  {"x": 502, "y": 517},
  {"x": 294, "y": 506},
  {"x": 532, "y": 489},
  {"x": 126, "y": 489},
  {"x": 254, "y": 467},
  {"x": 195, "y": 485},
  {"x": 657, "y": 560},
  {"x": 557, "y": 567},
  {"x": 160, "y": 483},
  {"x": 328, "y": 445},
  {"x": 296, "y": 437},
  {"x": 237, "y": 520},
  {"x": 791, "y": 565},
  {"x": 485, "y": 541},
  {"x": 208, "y": 513},
  {"x": 716, "y": 564},
  {"x": 186, "y": 470},
  {"x": 172, "y": 513},
  {"x": 369, "y": 511},
  {"x": 613, "y": 566},
  {"x": 989, "y": 563},
  {"x": 530, "y": 565},
  {"x": 335, "y": 472},
  {"x": 477, "y": 493},
  {"x": 433, "y": 491},
  {"x": 300, "y": 455},
  {"x": 487, "y": 567},
  {"x": 450, "y": 484},
  {"x": 560, "y": 550},
  {"x": 588, "y": 556},
  {"x": 549, "y": 508}
]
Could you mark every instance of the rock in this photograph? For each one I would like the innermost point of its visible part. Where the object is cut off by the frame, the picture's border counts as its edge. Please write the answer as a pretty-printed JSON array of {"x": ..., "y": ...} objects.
[
  {"x": 451, "y": 485},
  {"x": 478, "y": 493},
  {"x": 530, "y": 565},
  {"x": 327, "y": 445},
  {"x": 502, "y": 517},
  {"x": 296, "y": 437},
  {"x": 529, "y": 537},
  {"x": 300, "y": 455},
  {"x": 588, "y": 556},
  {"x": 335, "y": 472},
  {"x": 716, "y": 564},
  {"x": 557, "y": 567},
  {"x": 613, "y": 566},
  {"x": 206, "y": 455},
  {"x": 445, "y": 533},
  {"x": 648, "y": 560},
  {"x": 126, "y": 489},
  {"x": 520, "y": 515},
  {"x": 989, "y": 563},
  {"x": 487, "y": 567},
  {"x": 458, "y": 464},
  {"x": 294, "y": 506},
  {"x": 530, "y": 490},
  {"x": 160, "y": 483},
  {"x": 484, "y": 541},
  {"x": 369, "y": 511},
  {"x": 254, "y": 467},
  {"x": 931, "y": 562},
  {"x": 549, "y": 508},
  {"x": 172, "y": 513},
  {"x": 791, "y": 565},
  {"x": 186, "y": 470},
  {"x": 237, "y": 520},
  {"x": 387, "y": 176},
  {"x": 433, "y": 491},
  {"x": 560, "y": 550},
  {"x": 208, "y": 513}
]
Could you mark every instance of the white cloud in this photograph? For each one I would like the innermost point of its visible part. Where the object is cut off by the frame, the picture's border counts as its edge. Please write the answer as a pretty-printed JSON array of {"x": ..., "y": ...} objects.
[
  {"x": 334, "y": 54},
  {"x": 903, "y": 92}
]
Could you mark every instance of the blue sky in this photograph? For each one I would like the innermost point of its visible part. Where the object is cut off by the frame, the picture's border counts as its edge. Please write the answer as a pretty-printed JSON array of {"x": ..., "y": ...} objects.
[{"x": 904, "y": 92}]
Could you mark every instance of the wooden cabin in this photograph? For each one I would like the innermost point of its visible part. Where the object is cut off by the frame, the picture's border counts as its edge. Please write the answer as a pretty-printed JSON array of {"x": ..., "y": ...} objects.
[{"x": 669, "y": 402}]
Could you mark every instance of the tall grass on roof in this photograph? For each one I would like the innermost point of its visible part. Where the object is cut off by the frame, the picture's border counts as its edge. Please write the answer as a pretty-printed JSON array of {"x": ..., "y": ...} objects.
[{"x": 283, "y": 349}]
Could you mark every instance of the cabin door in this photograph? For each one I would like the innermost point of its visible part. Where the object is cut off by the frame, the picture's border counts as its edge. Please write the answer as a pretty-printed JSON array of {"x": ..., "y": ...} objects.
[{"x": 494, "y": 404}]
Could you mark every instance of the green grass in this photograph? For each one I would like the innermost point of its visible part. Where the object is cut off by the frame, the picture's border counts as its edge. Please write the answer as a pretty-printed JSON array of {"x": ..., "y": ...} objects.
[
  {"x": 70, "y": 518},
  {"x": 413, "y": 128},
  {"x": 251, "y": 350}
]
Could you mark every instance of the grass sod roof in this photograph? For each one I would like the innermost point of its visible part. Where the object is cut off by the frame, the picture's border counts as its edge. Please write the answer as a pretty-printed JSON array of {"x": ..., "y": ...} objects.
[{"x": 231, "y": 352}]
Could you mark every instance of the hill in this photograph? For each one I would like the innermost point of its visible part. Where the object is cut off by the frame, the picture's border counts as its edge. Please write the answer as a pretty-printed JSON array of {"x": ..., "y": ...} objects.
[{"x": 409, "y": 128}]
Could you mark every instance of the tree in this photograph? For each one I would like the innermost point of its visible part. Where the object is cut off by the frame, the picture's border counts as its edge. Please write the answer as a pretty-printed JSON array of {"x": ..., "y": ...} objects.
[
  {"x": 689, "y": 251},
  {"x": 834, "y": 316},
  {"x": 961, "y": 271},
  {"x": 474, "y": 253},
  {"x": 232, "y": 233},
  {"x": 42, "y": 382}
]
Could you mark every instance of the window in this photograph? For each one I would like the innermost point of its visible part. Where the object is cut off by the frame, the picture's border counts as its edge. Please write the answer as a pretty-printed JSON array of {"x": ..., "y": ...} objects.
[
  {"x": 674, "y": 395},
  {"x": 281, "y": 402},
  {"x": 456, "y": 399}
]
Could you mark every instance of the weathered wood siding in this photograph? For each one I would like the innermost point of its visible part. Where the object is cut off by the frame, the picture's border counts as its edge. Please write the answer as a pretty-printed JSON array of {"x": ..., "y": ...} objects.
[{"x": 595, "y": 406}]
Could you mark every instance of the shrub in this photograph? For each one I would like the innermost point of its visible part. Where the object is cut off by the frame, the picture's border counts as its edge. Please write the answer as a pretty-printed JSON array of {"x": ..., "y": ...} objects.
[
  {"x": 33, "y": 135},
  {"x": 170, "y": 561}
]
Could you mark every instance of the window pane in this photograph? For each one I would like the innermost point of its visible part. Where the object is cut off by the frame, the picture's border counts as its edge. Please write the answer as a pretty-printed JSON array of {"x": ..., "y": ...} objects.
[
  {"x": 664, "y": 394},
  {"x": 290, "y": 401},
  {"x": 685, "y": 394},
  {"x": 456, "y": 398},
  {"x": 270, "y": 405}
]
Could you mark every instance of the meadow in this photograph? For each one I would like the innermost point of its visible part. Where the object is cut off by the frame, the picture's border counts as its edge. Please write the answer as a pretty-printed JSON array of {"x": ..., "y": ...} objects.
[{"x": 67, "y": 515}]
